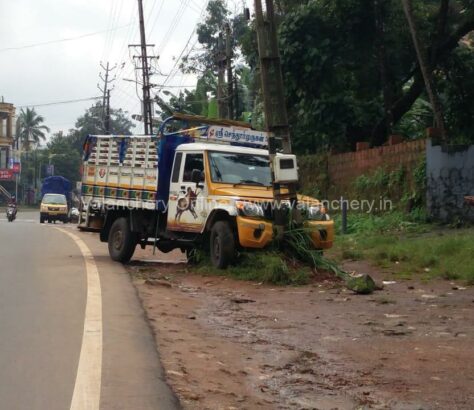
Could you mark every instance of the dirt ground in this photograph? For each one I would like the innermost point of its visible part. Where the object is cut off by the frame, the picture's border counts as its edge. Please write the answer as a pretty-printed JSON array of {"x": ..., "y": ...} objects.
[{"x": 228, "y": 344}]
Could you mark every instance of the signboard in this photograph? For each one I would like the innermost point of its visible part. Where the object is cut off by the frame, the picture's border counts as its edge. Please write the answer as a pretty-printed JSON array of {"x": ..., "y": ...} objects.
[
  {"x": 16, "y": 168},
  {"x": 241, "y": 135},
  {"x": 6, "y": 174}
]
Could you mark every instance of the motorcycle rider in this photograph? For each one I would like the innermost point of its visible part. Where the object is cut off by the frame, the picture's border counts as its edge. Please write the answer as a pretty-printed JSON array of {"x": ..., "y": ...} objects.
[{"x": 12, "y": 204}]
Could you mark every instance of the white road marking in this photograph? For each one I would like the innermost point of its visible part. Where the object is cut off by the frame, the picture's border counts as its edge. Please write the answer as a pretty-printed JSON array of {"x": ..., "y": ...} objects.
[
  {"x": 86, "y": 394},
  {"x": 20, "y": 220}
]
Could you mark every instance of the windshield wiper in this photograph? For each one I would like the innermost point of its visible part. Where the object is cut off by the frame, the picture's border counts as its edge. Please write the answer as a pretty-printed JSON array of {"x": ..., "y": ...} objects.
[
  {"x": 249, "y": 182},
  {"x": 216, "y": 169}
]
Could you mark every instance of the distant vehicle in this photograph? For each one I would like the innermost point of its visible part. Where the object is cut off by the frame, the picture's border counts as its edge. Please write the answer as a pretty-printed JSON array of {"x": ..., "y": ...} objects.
[
  {"x": 205, "y": 185},
  {"x": 57, "y": 185},
  {"x": 74, "y": 215},
  {"x": 11, "y": 213},
  {"x": 54, "y": 208}
]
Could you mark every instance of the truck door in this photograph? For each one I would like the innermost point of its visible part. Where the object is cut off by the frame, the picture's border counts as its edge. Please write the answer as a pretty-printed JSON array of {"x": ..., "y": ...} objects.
[{"x": 186, "y": 205}]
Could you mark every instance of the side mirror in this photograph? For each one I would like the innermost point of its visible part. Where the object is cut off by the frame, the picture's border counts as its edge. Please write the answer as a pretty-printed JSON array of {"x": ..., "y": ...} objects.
[{"x": 197, "y": 176}]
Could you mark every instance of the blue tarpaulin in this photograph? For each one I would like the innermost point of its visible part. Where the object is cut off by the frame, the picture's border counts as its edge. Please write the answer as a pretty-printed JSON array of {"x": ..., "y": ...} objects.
[{"x": 56, "y": 185}]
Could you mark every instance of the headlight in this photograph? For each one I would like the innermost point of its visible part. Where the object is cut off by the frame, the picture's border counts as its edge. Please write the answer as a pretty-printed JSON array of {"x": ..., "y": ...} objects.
[
  {"x": 316, "y": 213},
  {"x": 249, "y": 209}
]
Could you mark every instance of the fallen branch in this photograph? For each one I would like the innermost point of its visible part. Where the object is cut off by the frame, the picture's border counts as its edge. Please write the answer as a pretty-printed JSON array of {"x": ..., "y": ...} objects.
[{"x": 298, "y": 242}]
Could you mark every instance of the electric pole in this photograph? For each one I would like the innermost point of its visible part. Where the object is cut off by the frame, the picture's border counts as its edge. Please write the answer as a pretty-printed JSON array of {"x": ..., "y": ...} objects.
[
  {"x": 276, "y": 117},
  {"x": 236, "y": 97},
  {"x": 107, "y": 114},
  {"x": 230, "y": 81},
  {"x": 147, "y": 102},
  {"x": 106, "y": 95},
  {"x": 221, "y": 61}
]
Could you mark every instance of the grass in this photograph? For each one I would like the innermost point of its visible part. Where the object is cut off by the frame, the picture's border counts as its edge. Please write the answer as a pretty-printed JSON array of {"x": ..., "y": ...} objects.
[
  {"x": 261, "y": 266},
  {"x": 409, "y": 248}
]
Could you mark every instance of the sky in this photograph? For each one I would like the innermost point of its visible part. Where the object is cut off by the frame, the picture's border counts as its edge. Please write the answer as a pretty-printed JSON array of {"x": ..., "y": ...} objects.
[{"x": 35, "y": 74}]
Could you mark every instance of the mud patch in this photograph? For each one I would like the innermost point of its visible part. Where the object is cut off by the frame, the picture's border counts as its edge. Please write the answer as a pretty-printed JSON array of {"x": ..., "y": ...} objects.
[{"x": 230, "y": 344}]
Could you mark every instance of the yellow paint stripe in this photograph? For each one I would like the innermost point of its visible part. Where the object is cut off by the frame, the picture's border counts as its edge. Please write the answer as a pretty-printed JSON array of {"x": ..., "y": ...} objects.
[{"x": 89, "y": 371}]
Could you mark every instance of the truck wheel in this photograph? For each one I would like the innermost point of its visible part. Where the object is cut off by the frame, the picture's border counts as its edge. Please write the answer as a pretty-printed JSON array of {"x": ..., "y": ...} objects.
[
  {"x": 41, "y": 220},
  {"x": 222, "y": 244},
  {"x": 122, "y": 241}
]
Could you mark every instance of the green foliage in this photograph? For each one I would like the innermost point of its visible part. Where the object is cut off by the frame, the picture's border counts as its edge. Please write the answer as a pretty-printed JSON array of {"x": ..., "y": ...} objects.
[
  {"x": 333, "y": 55},
  {"x": 66, "y": 159},
  {"x": 262, "y": 266},
  {"x": 297, "y": 243},
  {"x": 416, "y": 120},
  {"x": 30, "y": 128},
  {"x": 456, "y": 87},
  {"x": 396, "y": 221},
  {"x": 91, "y": 122},
  {"x": 428, "y": 252}
]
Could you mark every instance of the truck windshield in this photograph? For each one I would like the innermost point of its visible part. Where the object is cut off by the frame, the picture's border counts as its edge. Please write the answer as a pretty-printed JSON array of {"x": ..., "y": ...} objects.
[
  {"x": 236, "y": 168},
  {"x": 54, "y": 199}
]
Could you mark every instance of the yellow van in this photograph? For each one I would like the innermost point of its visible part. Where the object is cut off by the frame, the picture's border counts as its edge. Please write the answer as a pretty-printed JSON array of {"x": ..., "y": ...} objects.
[{"x": 54, "y": 208}]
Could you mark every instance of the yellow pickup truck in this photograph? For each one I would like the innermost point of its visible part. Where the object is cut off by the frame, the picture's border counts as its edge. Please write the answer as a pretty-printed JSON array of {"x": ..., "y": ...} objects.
[{"x": 194, "y": 185}]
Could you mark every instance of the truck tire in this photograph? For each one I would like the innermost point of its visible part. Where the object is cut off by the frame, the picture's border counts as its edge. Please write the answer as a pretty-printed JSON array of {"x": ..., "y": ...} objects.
[
  {"x": 41, "y": 219},
  {"x": 222, "y": 244},
  {"x": 122, "y": 241}
]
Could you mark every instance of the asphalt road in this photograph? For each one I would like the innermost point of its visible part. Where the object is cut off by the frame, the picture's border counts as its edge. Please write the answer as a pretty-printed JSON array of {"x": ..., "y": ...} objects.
[{"x": 72, "y": 331}]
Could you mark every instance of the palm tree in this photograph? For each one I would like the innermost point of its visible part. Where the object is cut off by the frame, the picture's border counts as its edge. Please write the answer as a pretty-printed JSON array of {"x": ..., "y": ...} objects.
[{"x": 30, "y": 128}]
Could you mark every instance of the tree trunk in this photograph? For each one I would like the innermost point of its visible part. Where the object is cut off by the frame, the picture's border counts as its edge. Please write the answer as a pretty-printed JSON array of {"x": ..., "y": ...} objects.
[
  {"x": 425, "y": 70},
  {"x": 382, "y": 62}
]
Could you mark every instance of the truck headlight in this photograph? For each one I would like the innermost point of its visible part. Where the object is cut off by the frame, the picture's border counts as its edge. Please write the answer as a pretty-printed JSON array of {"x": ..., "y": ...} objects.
[
  {"x": 250, "y": 209},
  {"x": 316, "y": 213}
]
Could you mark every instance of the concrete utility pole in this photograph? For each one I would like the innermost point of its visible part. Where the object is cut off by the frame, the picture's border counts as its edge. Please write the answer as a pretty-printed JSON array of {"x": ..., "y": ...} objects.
[
  {"x": 276, "y": 118},
  {"x": 147, "y": 102},
  {"x": 107, "y": 114},
  {"x": 230, "y": 81},
  {"x": 106, "y": 95},
  {"x": 221, "y": 61}
]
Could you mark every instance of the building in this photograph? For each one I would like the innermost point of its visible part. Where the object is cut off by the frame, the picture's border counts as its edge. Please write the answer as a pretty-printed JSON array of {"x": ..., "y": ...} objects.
[{"x": 7, "y": 120}]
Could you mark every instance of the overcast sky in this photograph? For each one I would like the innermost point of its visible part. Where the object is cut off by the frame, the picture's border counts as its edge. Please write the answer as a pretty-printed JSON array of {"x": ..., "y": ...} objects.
[{"x": 69, "y": 70}]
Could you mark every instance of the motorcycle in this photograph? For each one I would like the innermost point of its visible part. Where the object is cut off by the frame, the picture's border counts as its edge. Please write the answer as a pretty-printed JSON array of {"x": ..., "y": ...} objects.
[{"x": 11, "y": 213}]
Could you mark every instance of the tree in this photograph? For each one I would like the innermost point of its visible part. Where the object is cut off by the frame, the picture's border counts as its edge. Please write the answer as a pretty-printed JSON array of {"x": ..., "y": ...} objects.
[
  {"x": 90, "y": 123},
  {"x": 426, "y": 71},
  {"x": 62, "y": 153},
  {"x": 30, "y": 128},
  {"x": 208, "y": 34},
  {"x": 203, "y": 62}
]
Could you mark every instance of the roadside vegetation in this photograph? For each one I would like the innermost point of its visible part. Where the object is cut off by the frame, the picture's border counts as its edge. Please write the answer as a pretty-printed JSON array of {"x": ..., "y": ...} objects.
[
  {"x": 261, "y": 266},
  {"x": 292, "y": 262},
  {"x": 407, "y": 246}
]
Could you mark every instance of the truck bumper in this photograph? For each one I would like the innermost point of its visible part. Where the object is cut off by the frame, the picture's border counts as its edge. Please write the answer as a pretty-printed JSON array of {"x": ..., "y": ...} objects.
[
  {"x": 53, "y": 216},
  {"x": 322, "y": 233},
  {"x": 254, "y": 233}
]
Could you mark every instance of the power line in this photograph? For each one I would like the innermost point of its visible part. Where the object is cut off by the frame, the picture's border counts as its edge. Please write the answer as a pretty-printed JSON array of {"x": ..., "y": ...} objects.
[
  {"x": 60, "y": 102},
  {"x": 62, "y": 39},
  {"x": 175, "y": 66}
]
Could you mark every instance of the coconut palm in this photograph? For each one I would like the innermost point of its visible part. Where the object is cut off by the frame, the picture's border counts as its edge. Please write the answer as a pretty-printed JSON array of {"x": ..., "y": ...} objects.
[{"x": 30, "y": 128}]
